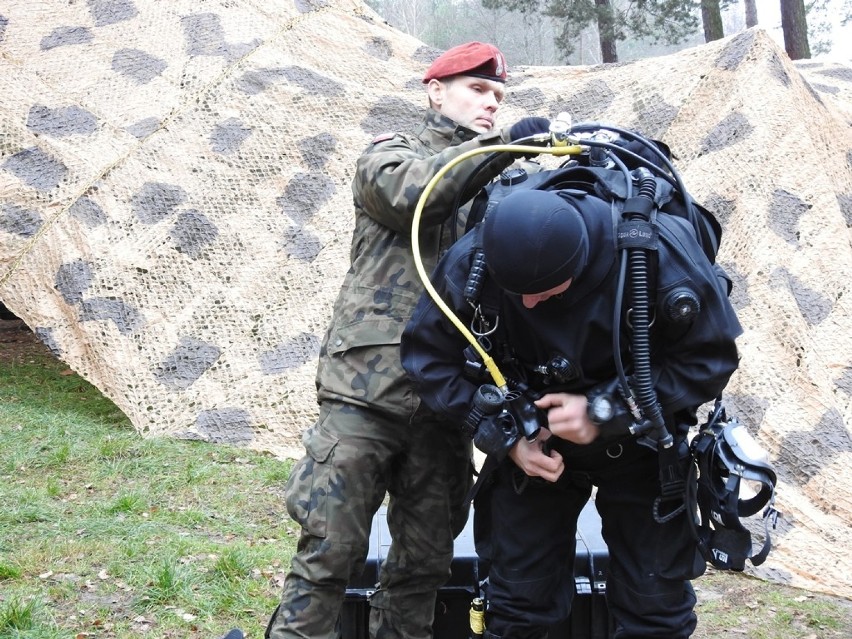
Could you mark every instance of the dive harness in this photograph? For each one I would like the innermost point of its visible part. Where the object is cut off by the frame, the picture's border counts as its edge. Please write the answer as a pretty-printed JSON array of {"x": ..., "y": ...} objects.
[{"x": 722, "y": 453}]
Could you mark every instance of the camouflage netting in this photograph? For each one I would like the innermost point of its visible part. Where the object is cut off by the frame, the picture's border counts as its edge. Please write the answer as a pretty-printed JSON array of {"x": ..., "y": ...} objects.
[{"x": 175, "y": 214}]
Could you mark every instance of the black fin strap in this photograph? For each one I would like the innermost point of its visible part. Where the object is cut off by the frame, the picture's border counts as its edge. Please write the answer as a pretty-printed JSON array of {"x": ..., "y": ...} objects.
[{"x": 770, "y": 514}]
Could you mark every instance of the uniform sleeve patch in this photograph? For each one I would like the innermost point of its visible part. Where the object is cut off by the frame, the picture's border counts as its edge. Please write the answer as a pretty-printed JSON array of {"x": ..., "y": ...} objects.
[{"x": 382, "y": 137}]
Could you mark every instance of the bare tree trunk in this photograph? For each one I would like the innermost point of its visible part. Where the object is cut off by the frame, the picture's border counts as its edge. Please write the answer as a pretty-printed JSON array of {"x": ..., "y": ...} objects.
[
  {"x": 711, "y": 17},
  {"x": 606, "y": 35},
  {"x": 751, "y": 13},
  {"x": 794, "y": 25}
]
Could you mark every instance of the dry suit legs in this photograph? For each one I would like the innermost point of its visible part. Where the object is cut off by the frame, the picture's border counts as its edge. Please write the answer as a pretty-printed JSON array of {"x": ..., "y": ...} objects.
[{"x": 535, "y": 635}]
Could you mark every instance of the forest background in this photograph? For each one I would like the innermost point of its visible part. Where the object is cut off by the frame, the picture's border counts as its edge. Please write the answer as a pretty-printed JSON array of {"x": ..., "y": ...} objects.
[{"x": 583, "y": 32}]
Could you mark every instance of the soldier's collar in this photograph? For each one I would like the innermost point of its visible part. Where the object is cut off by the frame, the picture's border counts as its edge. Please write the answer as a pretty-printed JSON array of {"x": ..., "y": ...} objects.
[{"x": 438, "y": 131}]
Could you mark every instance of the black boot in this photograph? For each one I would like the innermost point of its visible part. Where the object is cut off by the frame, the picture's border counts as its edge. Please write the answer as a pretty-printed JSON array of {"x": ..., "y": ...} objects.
[{"x": 234, "y": 633}]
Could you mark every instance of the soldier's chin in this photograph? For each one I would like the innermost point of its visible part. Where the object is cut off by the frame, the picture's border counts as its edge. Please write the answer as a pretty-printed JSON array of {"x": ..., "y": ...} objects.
[{"x": 480, "y": 127}]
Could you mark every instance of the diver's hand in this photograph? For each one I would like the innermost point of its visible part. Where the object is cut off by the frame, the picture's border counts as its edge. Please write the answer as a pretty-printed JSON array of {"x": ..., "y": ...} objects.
[
  {"x": 568, "y": 418},
  {"x": 530, "y": 458}
]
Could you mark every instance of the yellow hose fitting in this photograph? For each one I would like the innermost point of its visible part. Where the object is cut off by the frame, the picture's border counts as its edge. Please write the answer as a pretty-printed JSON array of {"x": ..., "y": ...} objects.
[{"x": 477, "y": 618}]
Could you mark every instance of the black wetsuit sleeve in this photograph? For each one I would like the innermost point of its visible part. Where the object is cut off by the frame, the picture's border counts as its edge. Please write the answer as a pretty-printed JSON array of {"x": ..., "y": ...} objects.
[
  {"x": 432, "y": 347},
  {"x": 698, "y": 357}
]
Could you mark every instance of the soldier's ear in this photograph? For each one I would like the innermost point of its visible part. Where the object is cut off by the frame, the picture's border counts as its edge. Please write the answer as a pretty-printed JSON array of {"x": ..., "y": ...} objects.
[{"x": 437, "y": 91}]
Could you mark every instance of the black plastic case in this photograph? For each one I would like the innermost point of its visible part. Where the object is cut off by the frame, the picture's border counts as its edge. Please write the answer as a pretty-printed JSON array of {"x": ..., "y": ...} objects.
[{"x": 590, "y": 618}]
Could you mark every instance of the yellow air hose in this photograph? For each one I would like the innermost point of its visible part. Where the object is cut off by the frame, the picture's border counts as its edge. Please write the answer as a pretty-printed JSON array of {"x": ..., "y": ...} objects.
[{"x": 572, "y": 149}]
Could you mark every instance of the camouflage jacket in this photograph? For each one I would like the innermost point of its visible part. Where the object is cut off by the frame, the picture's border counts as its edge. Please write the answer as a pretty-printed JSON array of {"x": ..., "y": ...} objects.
[{"x": 359, "y": 359}]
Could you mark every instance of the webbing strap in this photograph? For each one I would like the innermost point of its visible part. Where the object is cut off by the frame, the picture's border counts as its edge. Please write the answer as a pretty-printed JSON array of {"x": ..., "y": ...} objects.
[
  {"x": 672, "y": 485},
  {"x": 636, "y": 234}
]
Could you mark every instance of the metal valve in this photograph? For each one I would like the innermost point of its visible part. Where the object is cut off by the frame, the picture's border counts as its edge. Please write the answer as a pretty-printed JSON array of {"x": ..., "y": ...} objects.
[
  {"x": 682, "y": 305},
  {"x": 559, "y": 129}
]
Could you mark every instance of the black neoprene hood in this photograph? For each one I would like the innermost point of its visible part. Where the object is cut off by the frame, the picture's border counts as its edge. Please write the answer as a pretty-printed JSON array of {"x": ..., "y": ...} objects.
[{"x": 534, "y": 241}]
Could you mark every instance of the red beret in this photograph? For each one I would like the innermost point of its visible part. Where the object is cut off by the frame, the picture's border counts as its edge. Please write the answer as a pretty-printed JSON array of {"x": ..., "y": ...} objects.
[{"x": 474, "y": 58}]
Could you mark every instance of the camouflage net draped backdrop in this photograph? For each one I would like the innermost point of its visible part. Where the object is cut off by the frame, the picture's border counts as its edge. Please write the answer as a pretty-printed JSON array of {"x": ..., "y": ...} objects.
[{"x": 175, "y": 214}]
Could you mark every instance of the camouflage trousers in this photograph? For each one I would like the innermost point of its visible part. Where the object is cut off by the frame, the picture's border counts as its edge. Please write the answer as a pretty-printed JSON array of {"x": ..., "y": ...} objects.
[{"x": 354, "y": 457}]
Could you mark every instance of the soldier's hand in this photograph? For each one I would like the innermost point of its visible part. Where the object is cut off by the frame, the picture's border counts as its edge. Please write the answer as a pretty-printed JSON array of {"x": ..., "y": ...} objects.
[
  {"x": 528, "y": 127},
  {"x": 568, "y": 418},
  {"x": 530, "y": 458}
]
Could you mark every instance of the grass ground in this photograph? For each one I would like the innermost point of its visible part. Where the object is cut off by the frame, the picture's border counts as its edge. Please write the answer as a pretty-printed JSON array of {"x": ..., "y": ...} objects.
[{"x": 105, "y": 534}]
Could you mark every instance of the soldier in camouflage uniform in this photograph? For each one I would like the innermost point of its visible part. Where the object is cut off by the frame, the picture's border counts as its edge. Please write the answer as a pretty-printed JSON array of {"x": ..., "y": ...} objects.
[{"x": 373, "y": 437}]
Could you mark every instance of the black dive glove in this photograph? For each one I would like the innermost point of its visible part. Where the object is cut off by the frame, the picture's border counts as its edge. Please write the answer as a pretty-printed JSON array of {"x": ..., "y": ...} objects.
[{"x": 527, "y": 127}]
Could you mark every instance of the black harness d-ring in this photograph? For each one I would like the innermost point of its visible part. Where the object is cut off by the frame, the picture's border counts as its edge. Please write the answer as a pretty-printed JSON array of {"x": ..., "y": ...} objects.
[{"x": 615, "y": 455}]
